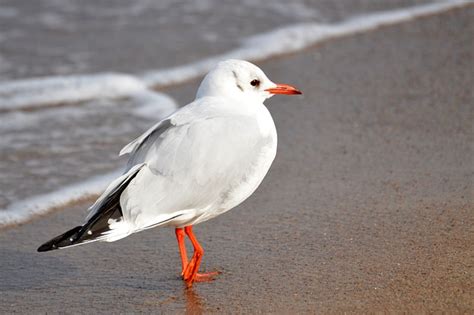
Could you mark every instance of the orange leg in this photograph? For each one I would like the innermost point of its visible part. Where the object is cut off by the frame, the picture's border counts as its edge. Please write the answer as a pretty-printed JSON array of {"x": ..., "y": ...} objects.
[
  {"x": 182, "y": 249},
  {"x": 190, "y": 270}
]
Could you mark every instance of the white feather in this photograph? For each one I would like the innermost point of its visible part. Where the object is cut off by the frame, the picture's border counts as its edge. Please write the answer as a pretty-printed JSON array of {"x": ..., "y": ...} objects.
[{"x": 204, "y": 159}]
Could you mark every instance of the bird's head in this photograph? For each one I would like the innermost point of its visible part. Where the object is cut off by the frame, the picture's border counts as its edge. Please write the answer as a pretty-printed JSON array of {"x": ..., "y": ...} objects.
[{"x": 241, "y": 79}]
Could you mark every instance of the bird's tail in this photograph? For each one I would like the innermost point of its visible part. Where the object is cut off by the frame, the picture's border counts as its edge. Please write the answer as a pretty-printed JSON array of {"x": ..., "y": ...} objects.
[{"x": 104, "y": 223}]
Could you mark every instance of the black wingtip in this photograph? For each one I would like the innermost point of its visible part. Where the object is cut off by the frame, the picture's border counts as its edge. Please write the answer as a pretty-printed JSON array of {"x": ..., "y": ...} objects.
[
  {"x": 46, "y": 247},
  {"x": 63, "y": 240}
]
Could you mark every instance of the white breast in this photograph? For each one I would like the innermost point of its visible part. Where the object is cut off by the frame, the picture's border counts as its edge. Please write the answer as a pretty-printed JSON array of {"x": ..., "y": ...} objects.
[{"x": 250, "y": 177}]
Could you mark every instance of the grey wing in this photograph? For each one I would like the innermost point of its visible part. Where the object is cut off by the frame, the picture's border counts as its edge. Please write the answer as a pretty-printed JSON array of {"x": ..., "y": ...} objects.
[
  {"x": 139, "y": 147},
  {"x": 177, "y": 142},
  {"x": 189, "y": 166},
  {"x": 146, "y": 138},
  {"x": 201, "y": 149}
]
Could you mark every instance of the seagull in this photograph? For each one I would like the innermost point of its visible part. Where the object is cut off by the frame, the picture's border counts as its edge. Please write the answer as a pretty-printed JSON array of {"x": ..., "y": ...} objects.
[{"x": 199, "y": 162}]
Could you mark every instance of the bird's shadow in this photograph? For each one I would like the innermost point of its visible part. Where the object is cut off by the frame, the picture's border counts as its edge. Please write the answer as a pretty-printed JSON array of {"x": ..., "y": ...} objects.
[{"x": 20, "y": 270}]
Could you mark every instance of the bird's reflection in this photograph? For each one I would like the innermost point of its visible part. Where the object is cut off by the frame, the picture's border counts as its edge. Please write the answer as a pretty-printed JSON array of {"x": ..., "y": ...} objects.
[{"x": 194, "y": 303}]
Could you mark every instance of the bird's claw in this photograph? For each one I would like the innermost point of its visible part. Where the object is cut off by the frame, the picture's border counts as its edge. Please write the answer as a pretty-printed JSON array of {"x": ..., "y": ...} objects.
[{"x": 200, "y": 277}]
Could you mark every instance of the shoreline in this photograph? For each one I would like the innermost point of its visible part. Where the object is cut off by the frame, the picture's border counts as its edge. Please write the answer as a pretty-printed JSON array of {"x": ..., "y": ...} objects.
[
  {"x": 283, "y": 41},
  {"x": 446, "y": 8},
  {"x": 366, "y": 208}
]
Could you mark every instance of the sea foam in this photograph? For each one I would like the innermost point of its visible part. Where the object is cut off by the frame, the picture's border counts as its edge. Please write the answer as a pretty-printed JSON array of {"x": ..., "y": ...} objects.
[
  {"x": 22, "y": 211},
  {"x": 39, "y": 92},
  {"x": 293, "y": 38},
  {"x": 56, "y": 90}
]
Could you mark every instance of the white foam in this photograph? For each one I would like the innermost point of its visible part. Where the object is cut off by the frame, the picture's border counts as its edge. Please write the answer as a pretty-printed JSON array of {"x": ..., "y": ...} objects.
[
  {"x": 38, "y": 92},
  {"x": 64, "y": 89},
  {"x": 153, "y": 104},
  {"x": 24, "y": 210},
  {"x": 293, "y": 38},
  {"x": 150, "y": 105}
]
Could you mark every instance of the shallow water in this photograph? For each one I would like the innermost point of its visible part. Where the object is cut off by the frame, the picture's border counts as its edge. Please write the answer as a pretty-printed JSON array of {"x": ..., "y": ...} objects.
[
  {"x": 47, "y": 37},
  {"x": 63, "y": 130}
]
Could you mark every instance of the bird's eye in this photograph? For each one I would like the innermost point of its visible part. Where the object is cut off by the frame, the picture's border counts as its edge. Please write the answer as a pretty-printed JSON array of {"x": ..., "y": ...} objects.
[{"x": 255, "y": 82}]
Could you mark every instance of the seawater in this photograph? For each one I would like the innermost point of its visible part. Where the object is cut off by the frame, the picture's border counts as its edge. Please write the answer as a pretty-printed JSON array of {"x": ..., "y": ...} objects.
[{"x": 60, "y": 134}]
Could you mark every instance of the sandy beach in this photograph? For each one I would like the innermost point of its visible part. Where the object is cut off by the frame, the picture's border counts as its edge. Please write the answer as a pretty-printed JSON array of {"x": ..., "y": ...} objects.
[{"x": 368, "y": 207}]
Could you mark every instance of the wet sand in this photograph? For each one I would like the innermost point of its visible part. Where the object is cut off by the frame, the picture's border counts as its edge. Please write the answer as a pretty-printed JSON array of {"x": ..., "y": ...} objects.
[{"x": 367, "y": 208}]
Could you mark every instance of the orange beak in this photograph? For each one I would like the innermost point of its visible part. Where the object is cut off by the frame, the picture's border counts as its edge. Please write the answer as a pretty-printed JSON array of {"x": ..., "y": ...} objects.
[{"x": 284, "y": 89}]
